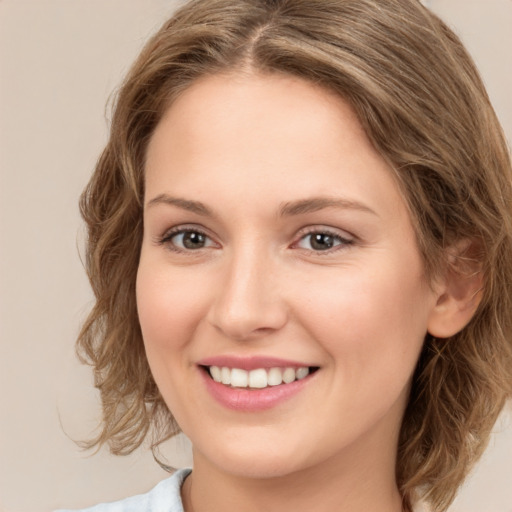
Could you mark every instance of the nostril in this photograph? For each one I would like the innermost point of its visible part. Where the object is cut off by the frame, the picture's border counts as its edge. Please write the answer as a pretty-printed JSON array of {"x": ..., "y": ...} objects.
[{"x": 247, "y": 310}]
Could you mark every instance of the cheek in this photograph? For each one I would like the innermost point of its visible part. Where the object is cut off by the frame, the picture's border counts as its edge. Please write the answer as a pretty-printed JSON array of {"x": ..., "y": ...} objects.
[
  {"x": 169, "y": 312},
  {"x": 168, "y": 309},
  {"x": 369, "y": 316}
]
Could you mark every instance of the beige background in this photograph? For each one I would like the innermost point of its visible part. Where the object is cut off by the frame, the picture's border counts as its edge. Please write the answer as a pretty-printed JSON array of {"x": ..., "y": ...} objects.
[{"x": 59, "y": 61}]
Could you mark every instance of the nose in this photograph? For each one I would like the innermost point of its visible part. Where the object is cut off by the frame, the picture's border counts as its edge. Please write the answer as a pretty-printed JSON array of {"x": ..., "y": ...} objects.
[{"x": 249, "y": 303}]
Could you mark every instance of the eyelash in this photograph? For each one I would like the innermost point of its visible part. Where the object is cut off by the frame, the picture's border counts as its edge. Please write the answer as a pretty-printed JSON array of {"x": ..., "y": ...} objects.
[
  {"x": 343, "y": 242},
  {"x": 166, "y": 239}
]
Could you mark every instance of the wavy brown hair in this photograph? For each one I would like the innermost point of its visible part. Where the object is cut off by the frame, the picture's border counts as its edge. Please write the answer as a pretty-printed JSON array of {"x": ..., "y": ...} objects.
[{"x": 423, "y": 105}]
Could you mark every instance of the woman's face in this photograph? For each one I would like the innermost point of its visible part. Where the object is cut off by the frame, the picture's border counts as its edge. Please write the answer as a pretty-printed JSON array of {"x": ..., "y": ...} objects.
[{"x": 277, "y": 246}]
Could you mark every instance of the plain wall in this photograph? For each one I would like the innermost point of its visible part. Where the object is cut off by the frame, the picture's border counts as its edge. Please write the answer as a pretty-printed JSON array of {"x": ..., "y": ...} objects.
[{"x": 59, "y": 62}]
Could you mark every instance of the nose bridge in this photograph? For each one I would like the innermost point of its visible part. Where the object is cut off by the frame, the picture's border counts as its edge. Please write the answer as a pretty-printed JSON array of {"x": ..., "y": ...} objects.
[{"x": 248, "y": 301}]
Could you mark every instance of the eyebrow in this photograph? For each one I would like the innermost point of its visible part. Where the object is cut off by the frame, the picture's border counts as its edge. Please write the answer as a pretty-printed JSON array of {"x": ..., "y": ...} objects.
[
  {"x": 184, "y": 204},
  {"x": 287, "y": 209},
  {"x": 319, "y": 203}
]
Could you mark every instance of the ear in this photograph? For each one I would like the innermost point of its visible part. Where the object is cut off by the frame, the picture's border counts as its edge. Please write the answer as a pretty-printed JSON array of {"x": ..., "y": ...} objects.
[{"x": 459, "y": 291}]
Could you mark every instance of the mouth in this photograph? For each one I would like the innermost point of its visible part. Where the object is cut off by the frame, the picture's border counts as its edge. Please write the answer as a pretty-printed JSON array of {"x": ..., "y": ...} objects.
[{"x": 257, "y": 378}]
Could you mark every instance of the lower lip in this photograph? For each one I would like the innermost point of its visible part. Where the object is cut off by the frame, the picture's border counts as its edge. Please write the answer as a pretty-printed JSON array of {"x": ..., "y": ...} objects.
[{"x": 253, "y": 400}]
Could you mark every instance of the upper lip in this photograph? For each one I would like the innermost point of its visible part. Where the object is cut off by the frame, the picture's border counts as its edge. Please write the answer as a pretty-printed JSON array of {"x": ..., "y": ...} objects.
[{"x": 251, "y": 363}]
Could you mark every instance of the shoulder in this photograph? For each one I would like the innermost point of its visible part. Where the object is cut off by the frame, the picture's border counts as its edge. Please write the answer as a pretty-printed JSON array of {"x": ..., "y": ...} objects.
[{"x": 164, "y": 497}]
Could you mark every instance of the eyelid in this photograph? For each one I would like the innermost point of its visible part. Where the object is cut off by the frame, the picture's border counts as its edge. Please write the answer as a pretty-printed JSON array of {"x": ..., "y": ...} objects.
[
  {"x": 166, "y": 237},
  {"x": 346, "y": 238}
]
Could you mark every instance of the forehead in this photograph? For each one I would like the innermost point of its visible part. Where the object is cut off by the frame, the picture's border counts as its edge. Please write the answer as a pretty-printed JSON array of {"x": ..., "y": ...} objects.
[
  {"x": 263, "y": 104},
  {"x": 266, "y": 136}
]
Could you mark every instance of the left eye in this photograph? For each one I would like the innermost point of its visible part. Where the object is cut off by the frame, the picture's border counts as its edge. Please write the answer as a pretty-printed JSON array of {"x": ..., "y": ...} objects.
[
  {"x": 321, "y": 241},
  {"x": 189, "y": 240}
]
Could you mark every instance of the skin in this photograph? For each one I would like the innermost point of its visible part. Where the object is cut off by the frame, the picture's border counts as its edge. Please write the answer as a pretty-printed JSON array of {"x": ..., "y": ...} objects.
[{"x": 244, "y": 145}]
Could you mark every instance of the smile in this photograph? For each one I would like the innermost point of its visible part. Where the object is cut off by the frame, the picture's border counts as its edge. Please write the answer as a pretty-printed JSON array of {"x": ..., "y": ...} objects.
[
  {"x": 255, "y": 383},
  {"x": 258, "y": 378}
]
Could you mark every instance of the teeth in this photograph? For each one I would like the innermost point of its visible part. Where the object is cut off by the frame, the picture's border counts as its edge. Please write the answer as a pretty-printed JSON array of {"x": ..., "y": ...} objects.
[
  {"x": 275, "y": 377},
  {"x": 301, "y": 373},
  {"x": 239, "y": 378},
  {"x": 216, "y": 373},
  {"x": 288, "y": 375},
  {"x": 225, "y": 376},
  {"x": 259, "y": 378}
]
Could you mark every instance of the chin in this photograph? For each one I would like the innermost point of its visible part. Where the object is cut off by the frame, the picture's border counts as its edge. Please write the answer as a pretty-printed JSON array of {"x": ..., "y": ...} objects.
[
  {"x": 259, "y": 468},
  {"x": 255, "y": 461}
]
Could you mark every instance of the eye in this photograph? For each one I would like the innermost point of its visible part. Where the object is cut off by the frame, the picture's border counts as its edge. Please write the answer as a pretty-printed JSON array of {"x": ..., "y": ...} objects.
[
  {"x": 319, "y": 241},
  {"x": 186, "y": 240}
]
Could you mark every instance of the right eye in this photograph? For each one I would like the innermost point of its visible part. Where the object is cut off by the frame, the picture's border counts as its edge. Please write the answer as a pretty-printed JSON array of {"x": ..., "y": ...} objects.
[{"x": 182, "y": 240}]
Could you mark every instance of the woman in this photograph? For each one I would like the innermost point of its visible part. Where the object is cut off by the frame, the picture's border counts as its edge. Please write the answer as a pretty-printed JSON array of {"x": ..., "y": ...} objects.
[{"x": 299, "y": 241}]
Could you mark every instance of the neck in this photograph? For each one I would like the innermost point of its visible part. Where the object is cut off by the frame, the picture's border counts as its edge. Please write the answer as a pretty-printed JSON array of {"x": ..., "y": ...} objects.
[{"x": 332, "y": 485}]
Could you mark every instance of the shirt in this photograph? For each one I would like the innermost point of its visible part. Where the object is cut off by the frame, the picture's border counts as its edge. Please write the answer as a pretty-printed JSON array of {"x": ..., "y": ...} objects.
[{"x": 164, "y": 497}]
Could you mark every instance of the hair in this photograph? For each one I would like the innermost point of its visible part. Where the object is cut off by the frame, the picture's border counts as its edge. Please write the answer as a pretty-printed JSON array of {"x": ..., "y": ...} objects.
[{"x": 422, "y": 103}]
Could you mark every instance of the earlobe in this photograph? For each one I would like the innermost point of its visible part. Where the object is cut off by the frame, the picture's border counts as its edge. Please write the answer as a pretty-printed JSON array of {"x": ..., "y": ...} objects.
[{"x": 459, "y": 292}]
